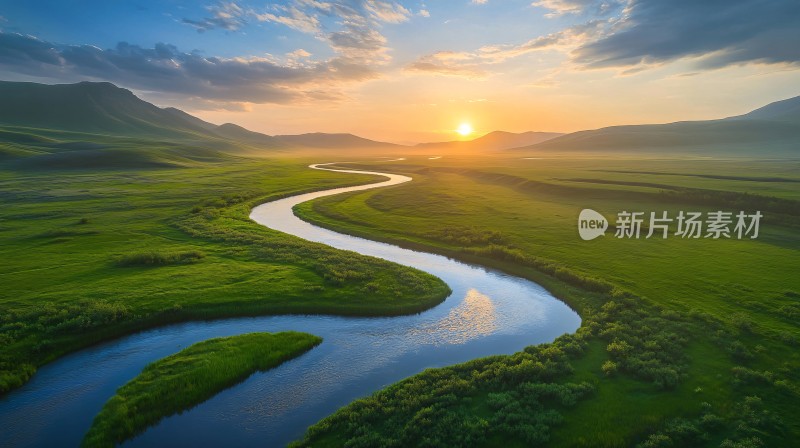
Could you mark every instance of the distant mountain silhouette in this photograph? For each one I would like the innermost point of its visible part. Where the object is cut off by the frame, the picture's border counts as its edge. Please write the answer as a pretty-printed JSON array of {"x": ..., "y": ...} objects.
[
  {"x": 89, "y": 117},
  {"x": 92, "y": 125},
  {"x": 784, "y": 110},
  {"x": 334, "y": 141},
  {"x": 773, "y": 130},
  {"x": 105, "y": 109},
  {"x": 181, "y": 115},
  {"x": 94, "y": 107},
  {"x": 493, "y": 141},
  {"x": 240, "y": 134}
]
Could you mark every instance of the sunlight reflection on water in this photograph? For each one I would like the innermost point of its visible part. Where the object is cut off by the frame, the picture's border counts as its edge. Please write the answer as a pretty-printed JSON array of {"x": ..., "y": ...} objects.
[
  {"x": 488, "y": 313},
  {"x": 475, "y": 316}
]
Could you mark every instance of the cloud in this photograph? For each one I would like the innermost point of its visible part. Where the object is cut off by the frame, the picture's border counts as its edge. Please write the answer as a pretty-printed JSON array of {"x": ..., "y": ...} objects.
[
  {"x": 476, "y": 64},
  {"x": 301, "y": 15},
  {"x": 226, "y": 15},
  {"x": 389, "y": 12},
  {"x": 563, "y": 40},
  {"x": 635, "y": 35},
  {"x": 29, "y": 54},
  {"x": 564, "y": 7},
  {"x": 358, "y": 42},
  {"x": 717, "y": 33},
  {"x": 292, "y": 17},
  {"x": 298, "y": 54},
  {"x": 424, "y": 13},
  {"x": 166, "y": 69},
  {"x": 350, "y": 27},
  {"x": 449, "y": 63}
]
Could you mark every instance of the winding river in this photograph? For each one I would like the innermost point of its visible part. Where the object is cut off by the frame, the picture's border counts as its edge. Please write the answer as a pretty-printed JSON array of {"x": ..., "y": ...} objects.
[{"x": 488, "y": 313}]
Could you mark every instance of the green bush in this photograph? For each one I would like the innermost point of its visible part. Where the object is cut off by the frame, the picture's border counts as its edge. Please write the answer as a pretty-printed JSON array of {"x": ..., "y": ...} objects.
[
  {"x": 190, "y": 377},
  {"x": 156, "y": 258}
]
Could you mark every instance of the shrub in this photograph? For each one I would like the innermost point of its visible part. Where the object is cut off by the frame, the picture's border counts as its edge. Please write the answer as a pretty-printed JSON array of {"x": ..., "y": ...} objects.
[
  {"x": 619, "y": 348},
  {"x": 609, "y": 367},
  {"x": 154, "y": 258},
  {"x": 739, "y": 351}
]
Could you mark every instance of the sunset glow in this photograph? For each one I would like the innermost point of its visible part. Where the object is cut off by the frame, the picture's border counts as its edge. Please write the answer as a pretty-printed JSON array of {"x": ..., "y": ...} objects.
[
  {"x": 402, "y": 71},
  {"x": 464, "y": 129}
]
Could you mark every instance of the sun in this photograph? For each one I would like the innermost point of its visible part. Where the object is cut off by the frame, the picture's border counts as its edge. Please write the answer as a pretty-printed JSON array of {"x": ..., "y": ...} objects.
[{"x": 464, "y": 129}]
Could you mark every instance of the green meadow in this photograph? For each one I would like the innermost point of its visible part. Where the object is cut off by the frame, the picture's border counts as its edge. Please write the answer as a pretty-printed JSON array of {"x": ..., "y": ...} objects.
[
  {"x": 685, "y": 342},
  {"x": 188, "y": 378},
  {"x": 97, "y": 252}
]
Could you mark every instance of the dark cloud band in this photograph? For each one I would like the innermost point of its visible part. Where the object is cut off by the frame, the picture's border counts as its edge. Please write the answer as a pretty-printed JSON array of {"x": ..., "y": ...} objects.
[
  {"x": 164, "y": 68},
  {"x": 721, "y": 32}
]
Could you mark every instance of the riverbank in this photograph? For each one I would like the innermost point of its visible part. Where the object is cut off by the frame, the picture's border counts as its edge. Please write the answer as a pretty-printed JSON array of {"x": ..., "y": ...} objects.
[
  {"x": 678, "y": 357},
  {"x": 188, "y": 378},
  {"x": 490, "y": 313},
  {"x": 65, "y": 288}
]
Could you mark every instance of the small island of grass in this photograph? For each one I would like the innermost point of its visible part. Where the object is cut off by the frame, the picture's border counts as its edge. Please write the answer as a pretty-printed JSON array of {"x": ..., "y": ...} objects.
[{"x": 188, "y": 378}]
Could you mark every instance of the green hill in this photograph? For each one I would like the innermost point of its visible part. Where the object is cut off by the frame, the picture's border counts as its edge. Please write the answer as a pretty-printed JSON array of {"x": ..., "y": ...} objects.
[
  {"x": 240, "y": 134},
  {"x": 100, "y": 108},
  {"x": 771, "y": 131},
  {"x": 782, "y": 111},
  {"x": 99, "y": 125},
  {"x": 92, "y": 125}
]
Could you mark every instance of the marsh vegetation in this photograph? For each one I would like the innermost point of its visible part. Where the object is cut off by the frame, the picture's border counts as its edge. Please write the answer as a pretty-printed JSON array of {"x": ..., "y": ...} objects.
[
  {"x": 188, "y": 378},
  {"x": 683, "y": 342},
  {"x": 93, "y": 255}
]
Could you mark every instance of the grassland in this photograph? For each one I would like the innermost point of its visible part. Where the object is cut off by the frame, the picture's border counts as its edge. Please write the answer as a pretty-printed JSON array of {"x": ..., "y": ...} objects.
[
  {"x": 91, "y": 253},
  {"x": 684, "y": 342},
  {"x": 188, "y": 378}
]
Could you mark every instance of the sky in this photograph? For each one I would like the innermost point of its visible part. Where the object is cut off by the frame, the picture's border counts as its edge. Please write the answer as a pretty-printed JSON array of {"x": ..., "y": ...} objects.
[{"x": 414, "y": 71}]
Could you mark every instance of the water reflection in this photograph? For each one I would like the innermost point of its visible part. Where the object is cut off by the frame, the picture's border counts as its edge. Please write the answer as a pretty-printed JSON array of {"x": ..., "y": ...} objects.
[
  {"x": 488, "y": 313},
  {"x": 474, "y": 317}
]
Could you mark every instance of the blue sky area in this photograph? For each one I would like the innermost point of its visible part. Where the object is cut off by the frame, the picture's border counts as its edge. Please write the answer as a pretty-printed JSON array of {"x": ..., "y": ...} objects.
[{"x": 518, "y": 65}]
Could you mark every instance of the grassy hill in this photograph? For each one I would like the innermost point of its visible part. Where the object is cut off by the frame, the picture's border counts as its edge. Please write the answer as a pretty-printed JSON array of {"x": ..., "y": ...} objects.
[
  {"x": 92, "y": 125},
  {"x": 785, "y": 110},
  {"x": 89, "y": 119},
  {"x": 238, "y": 133},
  {"x": 99, "y": 108},
  {"x": 23, "y": 148},
  {"x": 771, "y": 131}
]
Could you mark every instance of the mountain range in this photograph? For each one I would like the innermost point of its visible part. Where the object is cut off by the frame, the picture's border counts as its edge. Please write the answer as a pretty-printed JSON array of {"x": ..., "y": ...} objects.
[
  {"x": 770, "y": 131},
  {"x": 103, "y": 108},
  {"x": 67, "y": 123}
]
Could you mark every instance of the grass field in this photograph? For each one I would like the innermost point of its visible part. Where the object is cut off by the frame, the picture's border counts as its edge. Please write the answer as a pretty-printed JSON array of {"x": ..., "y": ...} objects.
[
  {"x": 188, "y": 378},
  {"x": 95, "y": 253},
  {"x": 120, "y": 216},
  {"x": 684, "y": 343}
]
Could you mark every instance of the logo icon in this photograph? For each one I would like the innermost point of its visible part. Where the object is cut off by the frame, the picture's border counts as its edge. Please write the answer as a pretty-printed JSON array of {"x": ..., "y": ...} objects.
[{"x": 591, "y": 224}]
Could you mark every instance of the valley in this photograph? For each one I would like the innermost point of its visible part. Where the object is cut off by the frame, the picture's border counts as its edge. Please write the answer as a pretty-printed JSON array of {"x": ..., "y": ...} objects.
[{"x": 131, "y": 232}]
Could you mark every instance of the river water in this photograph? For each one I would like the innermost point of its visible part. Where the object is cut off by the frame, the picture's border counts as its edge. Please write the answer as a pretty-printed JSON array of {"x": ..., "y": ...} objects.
[{"x": 488, "y": 313}]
